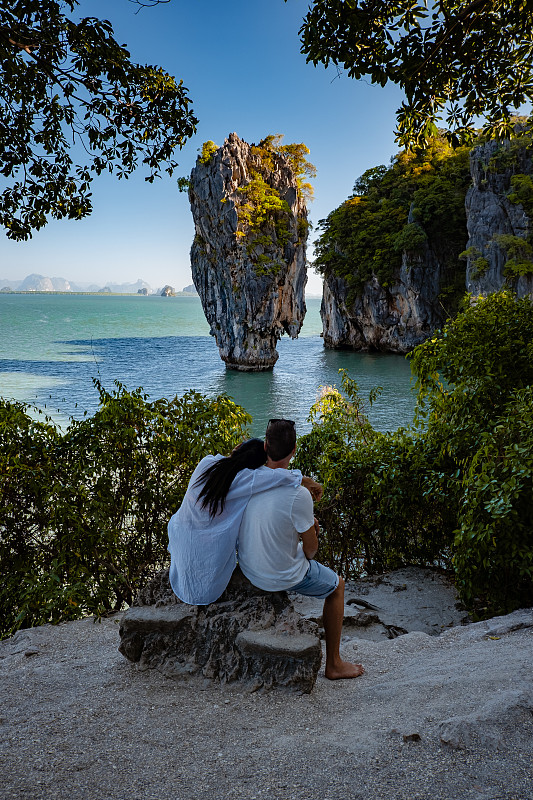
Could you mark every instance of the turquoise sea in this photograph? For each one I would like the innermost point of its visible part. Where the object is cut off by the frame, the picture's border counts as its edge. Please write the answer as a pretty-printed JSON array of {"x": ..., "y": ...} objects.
[{"x": 51, "y": 346}]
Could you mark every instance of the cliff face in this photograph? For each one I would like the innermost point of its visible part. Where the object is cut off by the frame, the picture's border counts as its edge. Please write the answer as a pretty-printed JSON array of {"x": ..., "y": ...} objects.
[
  {"x": 498, "y": 252},
  {"x": 392, "y": 319},
  {"x": 491, "y": 212},
  {"x": 249, "y": 271}
]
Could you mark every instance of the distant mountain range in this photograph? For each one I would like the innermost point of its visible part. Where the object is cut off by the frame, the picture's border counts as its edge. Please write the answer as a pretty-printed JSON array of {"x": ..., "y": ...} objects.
[{"x": 42, "y": 283}]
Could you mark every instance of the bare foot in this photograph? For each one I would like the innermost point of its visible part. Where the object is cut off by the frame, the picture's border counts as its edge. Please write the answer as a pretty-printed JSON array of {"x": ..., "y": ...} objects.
[{"x": 343, "y": 669}]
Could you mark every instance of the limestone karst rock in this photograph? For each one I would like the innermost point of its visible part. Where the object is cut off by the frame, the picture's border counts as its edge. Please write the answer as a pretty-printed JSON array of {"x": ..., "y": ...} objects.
[
  {"x": 249, "y": 268},
  {"x": 493, "y": 211},
  {"x": 247, "y": 635},
  {"x": 497, "y": 247},
  {"x": 394, "y": 318},
  {"x": 36, "y": 283}
]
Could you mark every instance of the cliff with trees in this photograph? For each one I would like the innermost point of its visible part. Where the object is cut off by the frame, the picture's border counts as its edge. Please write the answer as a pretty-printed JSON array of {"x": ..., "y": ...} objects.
[
  {"x": 390, "y": 253},
  {"x": 398, "y": 256},
  {"x": 499, "y": 208}
]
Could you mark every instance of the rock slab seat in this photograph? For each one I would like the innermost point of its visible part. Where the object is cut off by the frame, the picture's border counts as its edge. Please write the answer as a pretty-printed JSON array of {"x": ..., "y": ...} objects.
[{"x": 247, "y": 635}]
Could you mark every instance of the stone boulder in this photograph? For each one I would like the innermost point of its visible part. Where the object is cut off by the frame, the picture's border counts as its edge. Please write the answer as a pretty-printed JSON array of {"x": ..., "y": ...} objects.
[{"x": 248, "y": 635}]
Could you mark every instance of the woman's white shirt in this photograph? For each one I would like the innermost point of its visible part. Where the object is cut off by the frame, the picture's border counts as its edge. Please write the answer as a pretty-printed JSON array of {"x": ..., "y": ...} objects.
[{"x": 203, "y": 549}]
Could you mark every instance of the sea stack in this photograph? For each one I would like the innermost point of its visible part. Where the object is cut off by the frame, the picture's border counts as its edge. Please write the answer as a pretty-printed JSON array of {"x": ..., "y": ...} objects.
[{"x": 248, "y": 257}]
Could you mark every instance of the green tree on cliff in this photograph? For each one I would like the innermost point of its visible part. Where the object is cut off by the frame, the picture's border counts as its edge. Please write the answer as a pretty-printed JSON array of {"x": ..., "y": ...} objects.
[
  {"x": 65, "y": 82},
  {"x": 454, "y": 60},
  {"x": 419, "y": 199}
]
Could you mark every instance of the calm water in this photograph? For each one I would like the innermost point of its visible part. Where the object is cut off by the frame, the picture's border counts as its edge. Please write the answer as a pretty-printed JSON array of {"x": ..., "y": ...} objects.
[{"x": 51, "y": 346}]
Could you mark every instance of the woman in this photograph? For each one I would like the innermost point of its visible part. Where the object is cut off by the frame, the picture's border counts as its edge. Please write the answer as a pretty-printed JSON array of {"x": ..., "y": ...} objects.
[{"x": 203, "y": 532}]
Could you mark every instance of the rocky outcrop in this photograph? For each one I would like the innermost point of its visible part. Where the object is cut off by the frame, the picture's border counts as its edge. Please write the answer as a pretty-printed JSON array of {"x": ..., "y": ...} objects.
[
  {"x": 250, "y": 274},
  {"x": 36, "y": 283},
  {"x": 247, "y": 635},
  {"x": 491, "y": 213},
  {"x": 498, "y": 251},
  {"x": 168, "y": 291},
  {"x": 382, "y": 607},
  {"x": 393, "y": 319}
]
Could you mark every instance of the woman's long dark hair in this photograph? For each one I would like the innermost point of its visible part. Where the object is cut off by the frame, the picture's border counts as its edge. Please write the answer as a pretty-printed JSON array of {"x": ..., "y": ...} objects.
[{"x": 217, "y": 479}]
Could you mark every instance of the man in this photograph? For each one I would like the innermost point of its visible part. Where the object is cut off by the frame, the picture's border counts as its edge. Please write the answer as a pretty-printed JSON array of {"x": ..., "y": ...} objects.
[{"x": 278, "y": 538}]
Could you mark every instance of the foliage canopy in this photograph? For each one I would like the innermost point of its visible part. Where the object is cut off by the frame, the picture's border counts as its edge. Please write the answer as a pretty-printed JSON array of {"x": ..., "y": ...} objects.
[
  {"x": 418, "y": 199},
  {"x": 70, "y": 93},
  {"x": 454, "y": 60},
  {"x": 475, "y": 381}
]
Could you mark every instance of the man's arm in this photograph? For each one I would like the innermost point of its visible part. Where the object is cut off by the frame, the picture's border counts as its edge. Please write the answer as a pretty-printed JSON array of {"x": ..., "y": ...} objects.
[
  {"x": 316, "y": 489},
  {"x": 310, "y": 540}
]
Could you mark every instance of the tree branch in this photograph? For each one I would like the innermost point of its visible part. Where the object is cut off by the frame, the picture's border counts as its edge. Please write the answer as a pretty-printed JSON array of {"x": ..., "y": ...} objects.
[{"x": 449, "y": 29}]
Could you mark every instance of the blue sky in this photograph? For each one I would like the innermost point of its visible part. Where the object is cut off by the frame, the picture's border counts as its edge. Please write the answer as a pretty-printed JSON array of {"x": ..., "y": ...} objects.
[{"x": 242, "y": 65}]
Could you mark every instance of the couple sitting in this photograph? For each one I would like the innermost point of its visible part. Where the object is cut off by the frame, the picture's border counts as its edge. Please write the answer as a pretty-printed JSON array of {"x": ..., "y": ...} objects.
[{"x": 252, "y": 503}]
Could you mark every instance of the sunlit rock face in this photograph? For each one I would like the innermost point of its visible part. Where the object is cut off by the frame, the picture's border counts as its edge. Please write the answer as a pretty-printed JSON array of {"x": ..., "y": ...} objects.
[
  {"x": 391, "y": 319},
  {"x": 251, "y": 283},
  {"x": 398, "y": 317},
  {"x": 492, "y": 211}
]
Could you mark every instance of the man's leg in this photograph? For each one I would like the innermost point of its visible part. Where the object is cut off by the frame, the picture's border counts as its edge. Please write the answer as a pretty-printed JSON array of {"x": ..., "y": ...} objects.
[{"x": 333, "y": 616}]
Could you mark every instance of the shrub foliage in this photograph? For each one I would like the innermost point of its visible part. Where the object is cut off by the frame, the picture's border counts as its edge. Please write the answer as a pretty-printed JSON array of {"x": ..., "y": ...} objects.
[
  {"x": 83, "y": 514},
  {"x": 456, "y": 489},
  {"x": 381, "y": 506}
]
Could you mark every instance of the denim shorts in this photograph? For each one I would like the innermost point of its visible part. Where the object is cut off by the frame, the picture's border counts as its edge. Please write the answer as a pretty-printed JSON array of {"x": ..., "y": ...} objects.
[{"x": 319, "y": 581}]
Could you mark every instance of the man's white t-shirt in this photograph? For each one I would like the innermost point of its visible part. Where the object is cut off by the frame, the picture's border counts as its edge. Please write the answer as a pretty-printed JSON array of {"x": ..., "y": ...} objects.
[{"x": 269, "y": 551}]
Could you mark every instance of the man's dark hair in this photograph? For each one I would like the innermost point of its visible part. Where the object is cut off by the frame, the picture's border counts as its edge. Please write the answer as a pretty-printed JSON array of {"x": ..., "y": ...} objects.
[
  {"x": 217, "y": 478},
  {"x": 280, "y": 438}
]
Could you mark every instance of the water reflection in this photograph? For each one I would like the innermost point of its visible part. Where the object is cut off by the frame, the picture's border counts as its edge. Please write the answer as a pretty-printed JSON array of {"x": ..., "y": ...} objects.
[{"x": 303, "y": 367}]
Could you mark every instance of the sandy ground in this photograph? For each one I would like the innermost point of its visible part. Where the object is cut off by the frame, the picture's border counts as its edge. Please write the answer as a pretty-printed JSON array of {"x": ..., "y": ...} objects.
[{"x": 77, "y": 721}]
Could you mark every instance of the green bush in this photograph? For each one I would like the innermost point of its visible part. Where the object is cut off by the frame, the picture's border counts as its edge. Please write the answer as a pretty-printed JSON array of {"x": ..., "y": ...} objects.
[
  {"x": 83, "y": 515},
  {"x": 382, "y": 505},
  {"x": 474, "y": 405},
  {"x": 493, "y": 548},
  {"x": 467, "y": 372},
  {"x": 27, "y": 472},
  {"x": 456, "y": 488},
  {"x": 474, "y": 381},
  {"x": 519, "y": 253},
  {"x": 207, "y": 152}
]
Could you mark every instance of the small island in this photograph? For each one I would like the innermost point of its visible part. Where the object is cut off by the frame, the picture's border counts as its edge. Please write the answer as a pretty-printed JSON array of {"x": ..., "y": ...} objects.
[{"x": 248, "y": 257}]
